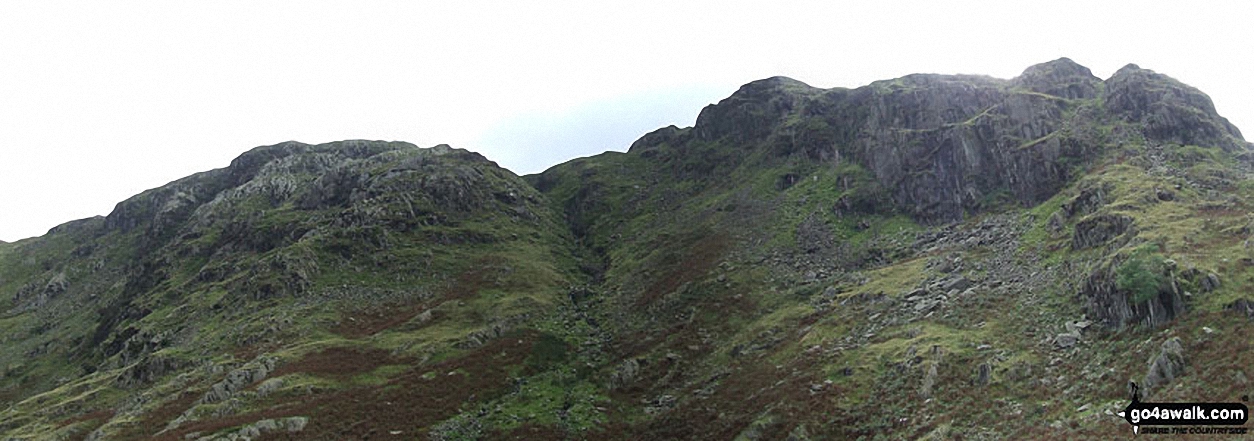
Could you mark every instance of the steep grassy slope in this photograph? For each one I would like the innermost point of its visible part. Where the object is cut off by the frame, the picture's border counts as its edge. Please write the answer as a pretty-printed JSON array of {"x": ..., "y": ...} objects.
[{"x": 926, "y": 257}]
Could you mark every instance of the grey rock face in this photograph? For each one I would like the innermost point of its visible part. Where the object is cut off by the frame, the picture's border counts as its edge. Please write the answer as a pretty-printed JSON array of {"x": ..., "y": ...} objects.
[{"x": 938, "y": 166}]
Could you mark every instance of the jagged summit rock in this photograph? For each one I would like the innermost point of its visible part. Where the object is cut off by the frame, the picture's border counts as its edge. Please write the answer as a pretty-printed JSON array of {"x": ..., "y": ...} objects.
[
  {"x": 1062, "y": 77},
  {"x": 1169, "y": 111},
  {"x": 753, "y": 111}
]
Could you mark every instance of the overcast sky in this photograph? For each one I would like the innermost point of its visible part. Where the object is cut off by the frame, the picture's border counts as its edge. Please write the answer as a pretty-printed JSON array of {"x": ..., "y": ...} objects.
[{"x": 100, "y": 100}]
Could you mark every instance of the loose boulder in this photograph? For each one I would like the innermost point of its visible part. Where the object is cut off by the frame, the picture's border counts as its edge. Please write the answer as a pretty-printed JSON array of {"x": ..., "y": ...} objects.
[{"x": 1166, "y": 366}]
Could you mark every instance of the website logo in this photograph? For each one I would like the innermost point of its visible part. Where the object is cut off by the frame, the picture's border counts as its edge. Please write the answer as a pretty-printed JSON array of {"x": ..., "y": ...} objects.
[{"x": 1185, "y": 414}]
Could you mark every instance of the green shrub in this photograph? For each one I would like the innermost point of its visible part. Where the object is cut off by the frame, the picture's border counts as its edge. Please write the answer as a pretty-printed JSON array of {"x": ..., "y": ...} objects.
[{"x": 1142, "y": 274}]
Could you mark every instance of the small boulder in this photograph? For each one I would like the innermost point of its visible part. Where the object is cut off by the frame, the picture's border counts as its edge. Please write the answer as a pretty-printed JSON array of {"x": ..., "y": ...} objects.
[
  {"x": 983, "y": 374},
  {"x": 1166, "y": 366},
  {"x": 1077, "y": 327},
  {"x": 1066, "y": 340},
  {"x": 295, "y": 424},
  {"x": 1210, "y": 283}
]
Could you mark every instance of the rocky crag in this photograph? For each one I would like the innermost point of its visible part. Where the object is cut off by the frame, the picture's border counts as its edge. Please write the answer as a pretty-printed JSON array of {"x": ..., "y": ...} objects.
[{"x": 801, "y": 263}]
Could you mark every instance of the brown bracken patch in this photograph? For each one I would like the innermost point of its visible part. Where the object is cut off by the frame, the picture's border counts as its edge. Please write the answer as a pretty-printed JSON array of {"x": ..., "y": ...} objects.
[
  {"x": 738, "y": 401},
  {"x": 469, "y": 282},
  {"x": 365, "y": 323},
  {"x": 156, "y": 420},
  {"x": 104, "y": 415},
  {"x": 705, "y": 254},
  {"x": 409, "y": 403},
  {"x": 338, "y": 362},
  {"x": 98, "y": 418}
]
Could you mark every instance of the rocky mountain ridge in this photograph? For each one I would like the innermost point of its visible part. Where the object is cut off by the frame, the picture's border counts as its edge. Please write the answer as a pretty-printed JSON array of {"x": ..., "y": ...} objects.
[{"x": 801, "y": 263}]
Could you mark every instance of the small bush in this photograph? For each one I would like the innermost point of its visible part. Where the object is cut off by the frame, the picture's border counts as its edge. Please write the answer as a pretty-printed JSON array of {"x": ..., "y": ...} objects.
[{"x": 1142, "y": 274}]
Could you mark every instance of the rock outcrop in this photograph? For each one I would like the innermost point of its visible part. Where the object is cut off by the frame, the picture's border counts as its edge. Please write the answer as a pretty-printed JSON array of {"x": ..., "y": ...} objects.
[
  {"x": 1098, "y": 229},
  {"x": 1115, "y": 308}
]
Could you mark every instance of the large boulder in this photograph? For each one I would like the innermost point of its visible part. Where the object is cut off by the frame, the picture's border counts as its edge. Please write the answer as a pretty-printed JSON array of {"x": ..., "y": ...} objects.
[{"x": 1166, "y": 366}]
